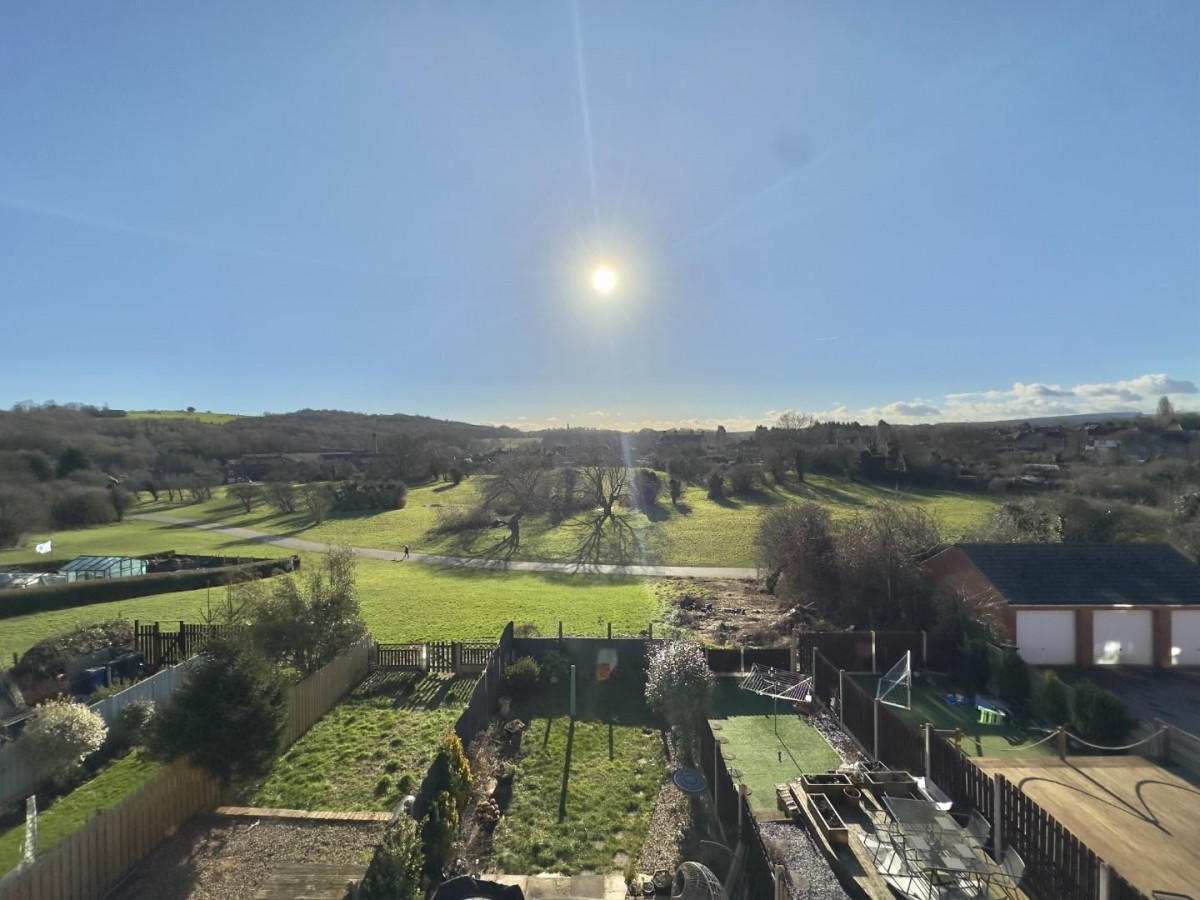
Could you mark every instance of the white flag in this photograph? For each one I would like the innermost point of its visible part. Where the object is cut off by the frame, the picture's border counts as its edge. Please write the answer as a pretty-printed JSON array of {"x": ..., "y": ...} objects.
[{"x": 45, "y": 547}]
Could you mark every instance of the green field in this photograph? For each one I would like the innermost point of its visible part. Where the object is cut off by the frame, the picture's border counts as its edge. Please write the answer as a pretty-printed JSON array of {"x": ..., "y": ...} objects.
[
  {"x": 207, "y": 418},
  {"x": 1014, "y": 738},
  {"x": 695, "y": 532},
  {"x": 369, "y": 750},
  {"x": 400, "y": 601},
  {"x": 767, "y": 749},
  {"x": 70, "y": 813},
  {"x": 585, "y": 787}
]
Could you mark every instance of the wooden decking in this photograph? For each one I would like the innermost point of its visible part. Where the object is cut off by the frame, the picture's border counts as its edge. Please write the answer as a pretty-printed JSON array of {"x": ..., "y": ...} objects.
[
  {"x": 309, "y": 881},
  {"x": 1142, "y": 819},
  {"x": 262, "y": 812}
]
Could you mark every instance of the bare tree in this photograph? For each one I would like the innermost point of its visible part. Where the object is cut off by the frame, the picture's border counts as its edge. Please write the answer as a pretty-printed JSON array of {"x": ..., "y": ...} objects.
[
  {"x": 249, "y": 495},
  {"x": 520, "y": 484},
  {"x": 1166, "y": 412}
]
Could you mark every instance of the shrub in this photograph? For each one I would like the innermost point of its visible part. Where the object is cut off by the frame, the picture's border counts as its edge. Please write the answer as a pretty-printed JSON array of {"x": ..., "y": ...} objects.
[
  {"x": 228, "y": 716},
  {"x": 82, "y": 507},
  {"x": 977, "y": 668},
  {"x": 457, "y": 770},
  {"x": 647, "y": 486},
  {"x": 716, "y": 486},
  {"x": 556, "y": 666},
  {"x": 1012, "y": 678},
  {"x": 741, "y": 480},
  {"x": 132, "y": 725},
  {"x": 395, "y": 870},
  {"x": 1051, "y": 700},
  {"x": 1098, "y": 716},
  {"x": 679, "y": 685},
  {"x": 675, "y": 486},
  {"x": 522, "y": 675},
  {"x": 439, "y": 831},
  {"x": 59, "y": 736}
]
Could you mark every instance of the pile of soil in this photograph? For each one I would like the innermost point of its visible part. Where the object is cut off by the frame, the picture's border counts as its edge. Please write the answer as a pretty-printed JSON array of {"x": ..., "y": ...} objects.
[{"x": 732, "y": 612}]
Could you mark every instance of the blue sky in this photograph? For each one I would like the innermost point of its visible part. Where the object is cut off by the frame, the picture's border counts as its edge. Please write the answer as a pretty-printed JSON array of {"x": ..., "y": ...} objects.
[{"x": 920, "y": 211}]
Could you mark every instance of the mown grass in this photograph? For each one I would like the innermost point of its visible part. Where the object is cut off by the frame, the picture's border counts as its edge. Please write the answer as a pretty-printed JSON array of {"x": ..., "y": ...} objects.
[
  {"x": 765, "y": 749},
  {"x": 71, "y": 812},
  {"x": 694, "y": 532},
  {"x": 400, "y": 601},
  {"x": 1015, "y": 738},
  {"x": 371, "y": 749},
  {"x": 585, "y": 788}
]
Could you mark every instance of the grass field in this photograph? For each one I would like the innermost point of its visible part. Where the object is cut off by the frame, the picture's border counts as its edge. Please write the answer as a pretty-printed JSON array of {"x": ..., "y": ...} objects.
[
  {"x": 208, "y": 418},
  {"x": 1014, "y": 738},
  {"x": 400, "y": 601},
  {"x": 765, "y": 749},
  {"x": 695, "y": 532},
  {"x": 369, "y": 750},
  {"x": 585, "y": 788},
  {"x": 71, "y": 812}
]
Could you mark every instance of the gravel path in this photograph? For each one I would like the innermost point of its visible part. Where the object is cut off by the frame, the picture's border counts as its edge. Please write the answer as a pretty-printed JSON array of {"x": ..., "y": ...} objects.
[
  {"x": 223, "y": 858},
  {"x": 812, "y": 879}
]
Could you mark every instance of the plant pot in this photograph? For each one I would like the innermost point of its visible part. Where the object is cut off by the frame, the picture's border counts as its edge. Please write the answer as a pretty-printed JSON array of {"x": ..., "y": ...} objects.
[
  {"x": 505, "y": 706},
  {"x": 853, "y": 797}
]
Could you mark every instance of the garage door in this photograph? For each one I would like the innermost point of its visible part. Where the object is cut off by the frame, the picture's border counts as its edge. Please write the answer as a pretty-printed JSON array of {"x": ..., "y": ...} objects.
[
  {"x": 1123, "y": 637},
  {"x": 1185, "y": 637},
  {"x": 1046, "y": 637}
]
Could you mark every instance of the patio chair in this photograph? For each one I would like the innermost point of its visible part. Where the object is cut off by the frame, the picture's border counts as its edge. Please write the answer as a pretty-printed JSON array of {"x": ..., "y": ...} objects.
[{"x": 1008, "y": 880}]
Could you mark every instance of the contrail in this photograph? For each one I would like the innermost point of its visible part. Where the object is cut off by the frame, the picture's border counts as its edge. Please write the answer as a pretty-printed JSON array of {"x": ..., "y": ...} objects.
[
  {"x": 78, "y": 218},
  {"x": 585, "y": 110}
]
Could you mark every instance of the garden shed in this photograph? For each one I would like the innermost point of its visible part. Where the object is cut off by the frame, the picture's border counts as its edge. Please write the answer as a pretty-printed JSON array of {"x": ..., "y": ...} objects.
[{"x": 85, "y": 568}]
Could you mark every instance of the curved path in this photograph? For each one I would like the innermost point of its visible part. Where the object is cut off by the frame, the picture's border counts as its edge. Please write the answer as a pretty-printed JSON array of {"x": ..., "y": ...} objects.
[{"x": 249, "y": 535}]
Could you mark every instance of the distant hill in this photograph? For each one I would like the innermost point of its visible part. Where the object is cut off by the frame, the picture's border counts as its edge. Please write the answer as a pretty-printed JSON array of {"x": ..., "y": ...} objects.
[{"x": 1078, "y": 419}]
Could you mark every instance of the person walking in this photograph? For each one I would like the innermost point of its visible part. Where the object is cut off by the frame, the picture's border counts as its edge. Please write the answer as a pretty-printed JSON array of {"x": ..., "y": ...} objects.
[{"x": 406, "y": 551}]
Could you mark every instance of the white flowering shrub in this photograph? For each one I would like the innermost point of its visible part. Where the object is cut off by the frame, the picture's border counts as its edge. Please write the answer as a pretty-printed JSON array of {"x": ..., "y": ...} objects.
[
  {"x": 59, "y": 736},
  {"x": 679, "y": 685}
]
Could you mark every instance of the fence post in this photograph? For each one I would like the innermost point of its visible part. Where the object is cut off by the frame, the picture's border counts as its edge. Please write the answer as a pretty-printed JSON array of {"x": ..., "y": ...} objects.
[
  {"x": 650, "y": 632},
  {"x": 781, "y": 890},
  {"x": 998, "y": 815},
  {"x": 610, "y": 631},
  {"x": 875, "y": 708},
  {"x": 456, "y": 656},
  {"x": 741, "y": 659},
  {"x": 560, "y": 630},
  {"x": 840, "y": 695},
  {"x": 1164, "y": 740},
  {"x": 929, "y": 750},
  {"x": 741, "y": 788},
  {"x": 1102, "y": 885},
  {"x": 924, "y": 649},
  {"x": 716, "y": 782},
  {"x": 793, "y": 651},
  {"x": 874, "y": 665},
  {"x": 1062, "y": 743}
]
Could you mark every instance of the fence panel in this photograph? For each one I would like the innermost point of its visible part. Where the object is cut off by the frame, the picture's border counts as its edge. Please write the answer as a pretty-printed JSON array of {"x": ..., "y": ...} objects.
[
  {"x": 775, "y": 657},
  {"x": 849, "y": 650},
  {"x": 858, "y": 713},
  {"x": 476, "y": 654},
  {"x": 723, "y": 660},
  {"x": 901, "y": 746},
  {"x": 890, "y": 647},
  {"x": 825, "y": 678},
  {"x": 1058, "y": 865},
  {"x": 441, "y": 656},
  {"x": 399, "y": 656},
  {"x": 318, "y": 693}
]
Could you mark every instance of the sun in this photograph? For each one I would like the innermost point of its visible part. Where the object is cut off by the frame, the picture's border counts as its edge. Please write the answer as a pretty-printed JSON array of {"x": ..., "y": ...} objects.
[{"x": 604, "y": 280}]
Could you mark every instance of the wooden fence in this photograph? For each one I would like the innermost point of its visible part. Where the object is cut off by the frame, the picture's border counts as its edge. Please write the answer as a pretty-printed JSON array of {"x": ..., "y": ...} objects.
[
  {"x": 459, "y": 657},
  {"x": 87, "y": 864},
  {"x": 19, "y": 775},
  {"x": 757, "y": 879},
  {"x": 1059, "y": 866},
  {"x": 166, "y": 647},
  {"x": 398, "y": 656}
]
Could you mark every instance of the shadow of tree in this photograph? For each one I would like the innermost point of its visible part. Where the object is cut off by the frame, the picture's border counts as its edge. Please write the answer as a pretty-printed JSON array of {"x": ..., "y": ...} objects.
[{"x": 605, "y": 539}]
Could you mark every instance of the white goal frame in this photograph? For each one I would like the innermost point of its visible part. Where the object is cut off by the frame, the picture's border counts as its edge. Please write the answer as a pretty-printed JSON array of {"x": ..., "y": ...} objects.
[{"x": 897, "y": 680}]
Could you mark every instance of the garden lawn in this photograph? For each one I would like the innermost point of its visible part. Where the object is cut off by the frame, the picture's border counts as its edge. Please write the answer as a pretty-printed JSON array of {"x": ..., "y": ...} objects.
[
  {"x": 1012, "y": 739},
  {"x": 766, "y": 751},
  {"x": 71, "y": 812},
  {"x": 371, "y": 749},
  {"x": 585, "y": 788},
  {"x": 400, "y": 601}
]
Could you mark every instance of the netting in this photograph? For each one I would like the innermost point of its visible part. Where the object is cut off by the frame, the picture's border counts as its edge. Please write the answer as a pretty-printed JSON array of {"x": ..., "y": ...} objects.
[
  {"x": 778, "y": 683},
  {"x": 895, "y": 687}
]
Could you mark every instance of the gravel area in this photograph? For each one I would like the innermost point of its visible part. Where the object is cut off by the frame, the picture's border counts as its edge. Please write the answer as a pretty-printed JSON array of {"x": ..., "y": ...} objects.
[
  {"x": 223, "y": 858},
  {"x": 812, "y": 879},
  {"x": 842, "y": 745},
  {"x": 669, "y": 825}
]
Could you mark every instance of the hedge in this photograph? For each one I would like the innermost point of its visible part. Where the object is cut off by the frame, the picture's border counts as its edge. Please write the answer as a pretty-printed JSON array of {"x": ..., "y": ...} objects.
[{"x": 20, "y": 602}]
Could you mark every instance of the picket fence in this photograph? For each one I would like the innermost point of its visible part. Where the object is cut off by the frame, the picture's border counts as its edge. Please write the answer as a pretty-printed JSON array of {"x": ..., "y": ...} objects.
[
  {"x": 89, "y": 863},
  {"x": 18, "y": 777}
]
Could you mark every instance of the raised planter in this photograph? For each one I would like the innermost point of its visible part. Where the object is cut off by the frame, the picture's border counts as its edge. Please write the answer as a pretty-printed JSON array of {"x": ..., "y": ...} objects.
[
  {"x": 832, "y": 783},
  {"x": 891, "y": 783},
  {"x": 827, "y": 820}
]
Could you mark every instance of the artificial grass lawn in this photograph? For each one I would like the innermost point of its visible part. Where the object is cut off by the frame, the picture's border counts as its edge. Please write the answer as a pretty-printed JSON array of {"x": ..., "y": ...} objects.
[
  {"x": 767, "y": 751},
  {"x": 695, "y": 532},
  {"x": 371, "y": 749},
  {"x": 68, "y": 814},
  {"x": 585, "y": 788},
  {"x": 1012, "y": 739},
  {"x": 400, "y": 601}
]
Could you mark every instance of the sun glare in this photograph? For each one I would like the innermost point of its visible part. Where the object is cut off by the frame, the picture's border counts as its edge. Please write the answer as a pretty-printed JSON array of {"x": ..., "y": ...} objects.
[{"x": 604, "y": 280}]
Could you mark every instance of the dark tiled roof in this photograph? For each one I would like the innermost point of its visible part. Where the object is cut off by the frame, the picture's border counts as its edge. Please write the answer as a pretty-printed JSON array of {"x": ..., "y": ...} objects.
[{"x": 1087, "y": 574}]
